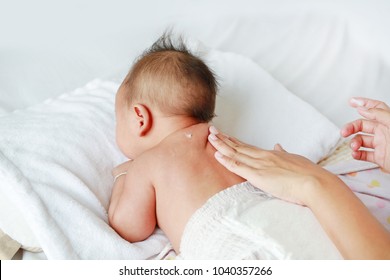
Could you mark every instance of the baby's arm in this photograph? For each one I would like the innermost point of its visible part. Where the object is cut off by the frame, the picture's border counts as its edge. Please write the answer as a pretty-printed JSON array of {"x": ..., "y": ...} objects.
[{"x": 132, "y": 210}]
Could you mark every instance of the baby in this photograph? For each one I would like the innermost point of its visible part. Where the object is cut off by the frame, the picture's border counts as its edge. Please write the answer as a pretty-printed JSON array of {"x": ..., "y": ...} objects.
[{"x": 163, "y": 108}]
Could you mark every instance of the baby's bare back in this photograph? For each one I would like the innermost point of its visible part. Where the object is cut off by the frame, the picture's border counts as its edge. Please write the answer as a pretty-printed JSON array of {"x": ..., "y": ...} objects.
[{"x": 187, "y": 174}]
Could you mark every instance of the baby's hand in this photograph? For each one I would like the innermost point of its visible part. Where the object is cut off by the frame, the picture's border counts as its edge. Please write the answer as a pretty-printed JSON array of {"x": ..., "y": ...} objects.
[{"x": 376, "y": 129}]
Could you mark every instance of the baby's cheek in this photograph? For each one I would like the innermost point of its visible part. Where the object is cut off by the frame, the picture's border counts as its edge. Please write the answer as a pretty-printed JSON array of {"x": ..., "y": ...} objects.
[
  {"x": 120, "y": 141},
  {"x": 126, "y": 147}
]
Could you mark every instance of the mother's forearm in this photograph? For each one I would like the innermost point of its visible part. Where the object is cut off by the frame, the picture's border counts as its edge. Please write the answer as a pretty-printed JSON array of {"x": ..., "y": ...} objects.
[{"x": 349, "y": 224}]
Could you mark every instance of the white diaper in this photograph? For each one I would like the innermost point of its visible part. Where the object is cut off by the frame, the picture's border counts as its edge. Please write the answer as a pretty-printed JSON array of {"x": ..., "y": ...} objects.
[
  {"x": 242, "y": 222},
  {"x": 219, "y": 230}
]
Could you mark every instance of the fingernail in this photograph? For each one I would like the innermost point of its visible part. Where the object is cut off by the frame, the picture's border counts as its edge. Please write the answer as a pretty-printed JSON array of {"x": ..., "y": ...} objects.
[
  {"x": 357, "y": 102},
  {"x": 213, "y": 130},
  {"x": 213, "y": 137},
  {"x": 355, "y": 146},
  {"x": 218, "y": 154}
]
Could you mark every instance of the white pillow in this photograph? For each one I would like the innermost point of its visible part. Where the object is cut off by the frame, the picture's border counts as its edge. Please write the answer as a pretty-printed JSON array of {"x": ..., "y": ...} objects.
[
  {"x": 56, "y": 157},
  {"x": 256, "y": 108}
]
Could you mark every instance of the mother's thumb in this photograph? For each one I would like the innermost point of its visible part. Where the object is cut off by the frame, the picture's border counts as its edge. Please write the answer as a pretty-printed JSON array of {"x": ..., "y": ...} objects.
[{"x": 279, "y": 148}]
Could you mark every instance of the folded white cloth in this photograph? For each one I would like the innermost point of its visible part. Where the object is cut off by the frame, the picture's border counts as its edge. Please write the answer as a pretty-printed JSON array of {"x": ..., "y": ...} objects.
[{"x": 342, "y": 162}]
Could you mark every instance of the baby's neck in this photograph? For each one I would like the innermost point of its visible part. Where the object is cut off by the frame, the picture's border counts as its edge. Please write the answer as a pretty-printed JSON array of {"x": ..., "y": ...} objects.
[{"x": 165, "y": 126}]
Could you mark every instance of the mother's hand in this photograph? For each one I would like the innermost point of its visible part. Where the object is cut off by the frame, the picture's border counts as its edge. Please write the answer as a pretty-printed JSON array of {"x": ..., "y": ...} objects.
[
  {"x": 286, "y": 176},
  {"x": 372, "y": 132},
  {"x": 294, "y": 178}
]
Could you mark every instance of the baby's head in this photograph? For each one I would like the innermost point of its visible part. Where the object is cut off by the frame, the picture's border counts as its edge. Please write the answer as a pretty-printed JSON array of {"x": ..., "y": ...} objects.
[{"x": 166, "y": 81}]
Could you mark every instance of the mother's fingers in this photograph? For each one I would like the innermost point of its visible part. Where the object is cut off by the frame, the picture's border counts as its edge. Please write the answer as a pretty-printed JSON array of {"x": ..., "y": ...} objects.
[
  {"x": 364, "y": 155},
  {"x": 356, "y": 126},
  {"x": 376, "y": 114},
  {"x": 233, "y": 141},
  {"x": 236, "y": 166},
  {"x": 366, "y": 141},
  {"x": 279, "y": 148},
  {"x": 230, "y": 152},
  {"x": 367, "y": 103},
  {"x": 220, "y": 141}
]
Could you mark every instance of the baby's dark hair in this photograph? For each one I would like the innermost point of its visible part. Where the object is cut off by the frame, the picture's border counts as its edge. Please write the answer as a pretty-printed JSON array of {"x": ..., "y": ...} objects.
[{"x": 170, "y": 77}]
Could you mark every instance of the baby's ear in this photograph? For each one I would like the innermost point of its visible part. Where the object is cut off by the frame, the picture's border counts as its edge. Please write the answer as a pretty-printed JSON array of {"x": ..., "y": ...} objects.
[{"x": 143, "y": 118}]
